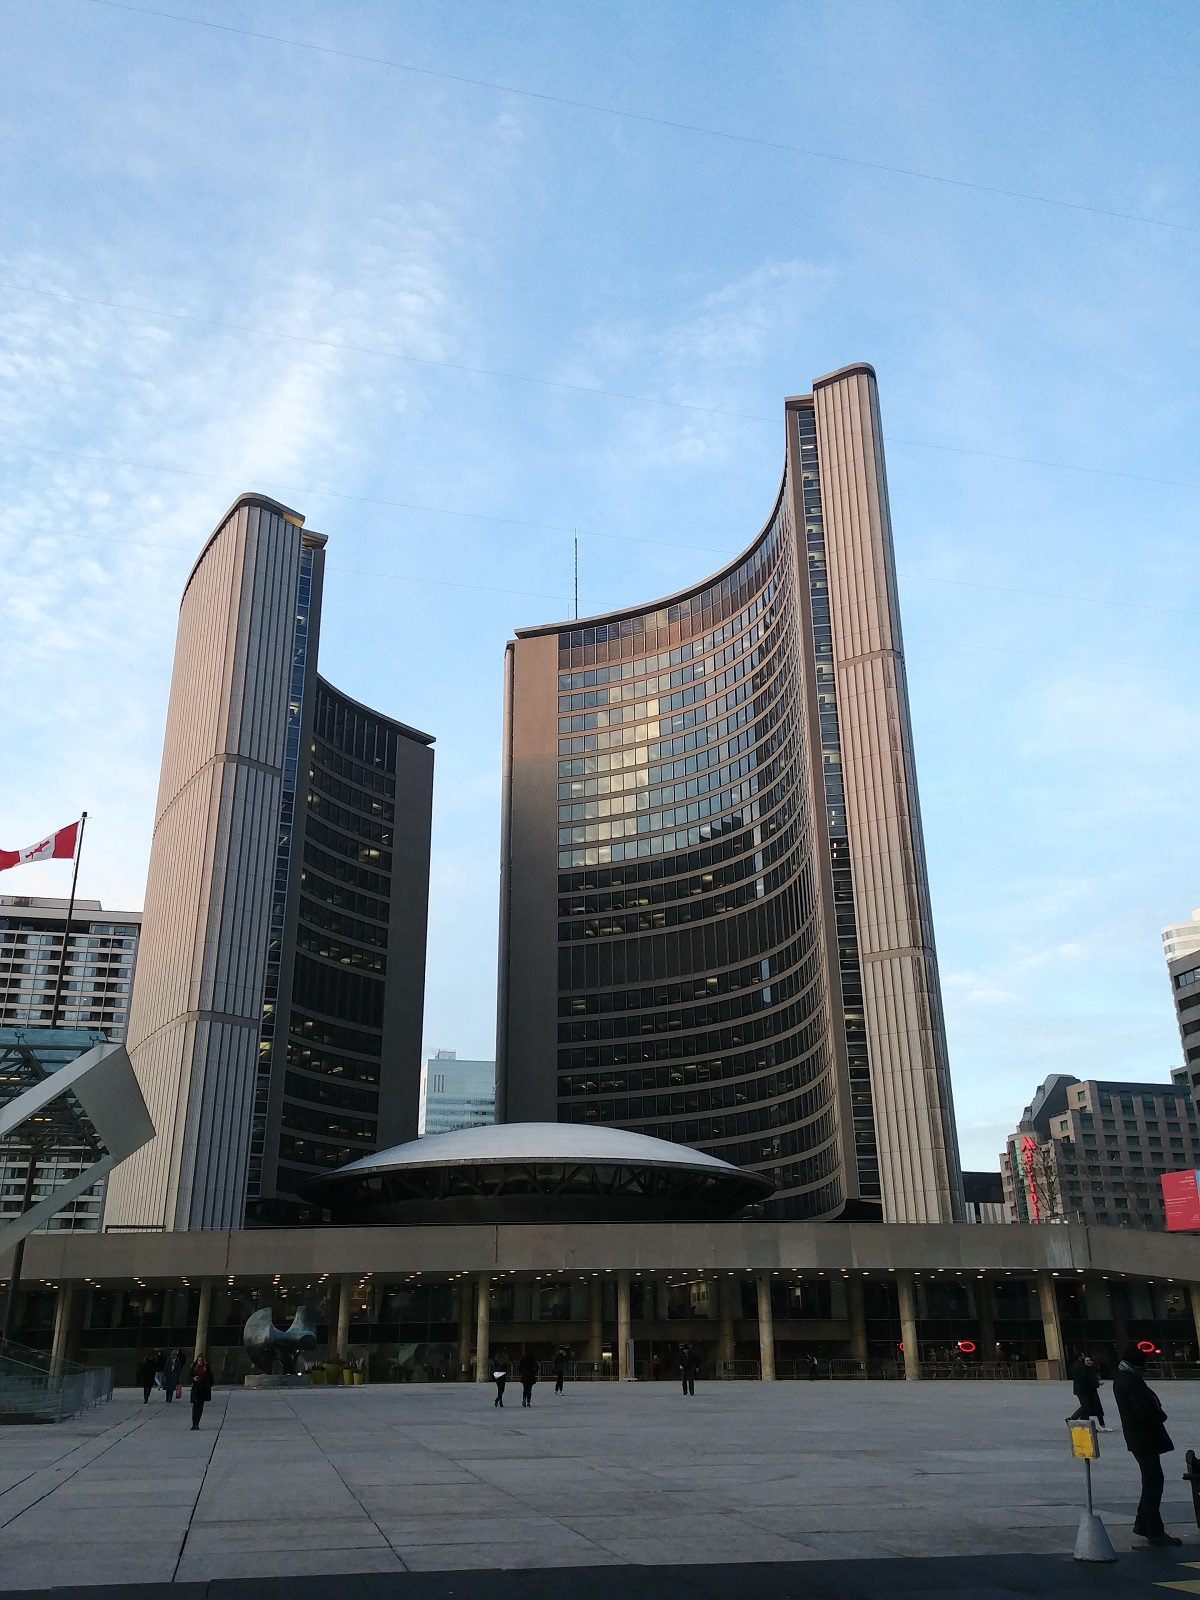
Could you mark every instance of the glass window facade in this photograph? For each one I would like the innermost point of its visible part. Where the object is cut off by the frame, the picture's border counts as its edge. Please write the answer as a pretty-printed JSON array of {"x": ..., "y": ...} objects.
[{"x": 692, "y": 998}]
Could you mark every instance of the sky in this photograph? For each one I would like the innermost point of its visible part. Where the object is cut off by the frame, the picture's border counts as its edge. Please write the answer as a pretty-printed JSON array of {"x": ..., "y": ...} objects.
[{"x": 454, "y": 280}]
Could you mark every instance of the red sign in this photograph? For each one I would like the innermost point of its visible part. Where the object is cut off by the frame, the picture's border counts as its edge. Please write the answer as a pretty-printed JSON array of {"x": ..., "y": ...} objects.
[
  {"x": 1028, "y": 1150},
  {"x": 1147, "y": 1347},
  {"x": 967, "y": 1346},
  {"x": 1181, "y": 1199}
]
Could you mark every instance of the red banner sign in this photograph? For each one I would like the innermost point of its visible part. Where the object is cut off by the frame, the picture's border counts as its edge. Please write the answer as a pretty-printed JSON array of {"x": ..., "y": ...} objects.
[{"x": 1181, "y": 1199}]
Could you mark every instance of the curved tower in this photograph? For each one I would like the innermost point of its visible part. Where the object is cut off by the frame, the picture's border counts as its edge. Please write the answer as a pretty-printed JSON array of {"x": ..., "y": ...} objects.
[
  {"x": 275, "y": 1023},
  {"x": 715, "y": 920}
]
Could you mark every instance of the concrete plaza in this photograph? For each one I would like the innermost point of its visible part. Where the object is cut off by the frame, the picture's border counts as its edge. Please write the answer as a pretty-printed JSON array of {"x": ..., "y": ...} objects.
[{"x": 433, "y": 1479}]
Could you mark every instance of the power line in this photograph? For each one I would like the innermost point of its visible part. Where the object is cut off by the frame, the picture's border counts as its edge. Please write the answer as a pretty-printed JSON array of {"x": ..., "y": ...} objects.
[
  {"x": 905, "y": 574},
  {"x": 649, "y": 120},
  {"x": 375, "y": 350},
  {"x": 332, "y": 566},
  {"x": 553, "y": 383},
  {"x": 304, "y": 492}
]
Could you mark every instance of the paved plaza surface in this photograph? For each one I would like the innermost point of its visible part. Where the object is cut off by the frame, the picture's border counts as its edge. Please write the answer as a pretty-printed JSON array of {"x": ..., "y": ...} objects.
[{"x": 423, "y": 1492}]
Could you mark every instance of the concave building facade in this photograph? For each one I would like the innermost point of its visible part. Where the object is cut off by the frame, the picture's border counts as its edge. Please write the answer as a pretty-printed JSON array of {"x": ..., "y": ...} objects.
[
  {"x": 715, "y": 923},
  {"x": 275, "y": 1025}
]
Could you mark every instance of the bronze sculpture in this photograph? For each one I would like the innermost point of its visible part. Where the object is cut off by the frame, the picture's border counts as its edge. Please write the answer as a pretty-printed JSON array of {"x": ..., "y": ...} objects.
[{"x": 267, "y": 1345}]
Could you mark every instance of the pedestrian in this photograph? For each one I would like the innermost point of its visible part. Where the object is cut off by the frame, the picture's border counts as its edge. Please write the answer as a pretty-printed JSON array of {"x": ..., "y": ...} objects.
[
  {"x": 500, "y": 1378},
  {"x": 171, "y": 1373},
  {"x": 560, "y": 1369},
  {"x": 527, "y": 1371},
  {"x": 688, "y": 1362},
  {"x": 201, "y": 1388},
  {"x": 148, "y": 1372},
  {"x": 656, "y": 1365},
  {"x": 1085, "y": 1380},
  {"x": 814, "y": 1369},
  {"x": 1147, "y": 1440}
]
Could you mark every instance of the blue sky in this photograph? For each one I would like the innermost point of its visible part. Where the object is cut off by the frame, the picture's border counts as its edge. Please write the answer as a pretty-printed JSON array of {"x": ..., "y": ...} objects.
[{"x": 231, "y": 262}]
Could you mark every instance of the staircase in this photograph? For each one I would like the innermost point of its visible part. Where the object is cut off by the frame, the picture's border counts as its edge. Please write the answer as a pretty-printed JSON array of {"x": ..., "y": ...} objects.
[{"x": 32, "y": 1391}]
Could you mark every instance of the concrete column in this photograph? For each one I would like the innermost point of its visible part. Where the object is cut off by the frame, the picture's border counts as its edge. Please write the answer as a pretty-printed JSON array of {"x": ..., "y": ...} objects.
[
  {"x": 766, "y": 1327},
  {"x": 624, "y": 1364},
  {"x": 726, "y": 1344},
  {"x": 64, "y": 1311},
  {"x": 341, "y": 1334},
  {"x": 985, "y": 1315},
  {"x": 906, "y": 1293},
  {"x": 595, "y": 1349},
  {"x": 466, "y": 1308},
  {"x": 1194, "y": 1299},
  {"x": 1051, "y": 1327},
  {"x": 203, "y": 1317},
  {"x": 483, "y": 1328},
  {"x": 1120, "y": 1316},
  {"x": 118, "y": 1308},
  {"x": 858, "y": 1320}
]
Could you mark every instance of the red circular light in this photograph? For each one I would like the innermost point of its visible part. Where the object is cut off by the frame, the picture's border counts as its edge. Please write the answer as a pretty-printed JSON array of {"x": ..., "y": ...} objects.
[
  {"x": 967, "y": 1346},
  {"x": 900, "y": 1345},
  {"x": 1147, "y": 1348}
]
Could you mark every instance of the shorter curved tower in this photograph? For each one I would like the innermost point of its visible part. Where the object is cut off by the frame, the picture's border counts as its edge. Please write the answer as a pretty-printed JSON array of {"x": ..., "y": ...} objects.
[
  {"x": 275, "y": 1023},
  {"x": 715, "y": 923}
]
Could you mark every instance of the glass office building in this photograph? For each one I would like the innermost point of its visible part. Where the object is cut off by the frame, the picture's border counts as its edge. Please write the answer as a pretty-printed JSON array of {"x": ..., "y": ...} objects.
[
  {"x": 715, "y": 923},
  {"x": 456, "y": 1094}
]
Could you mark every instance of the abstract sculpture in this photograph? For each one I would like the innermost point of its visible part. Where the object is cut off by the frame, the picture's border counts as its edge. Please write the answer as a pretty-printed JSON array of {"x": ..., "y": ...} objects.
[{"x": 267, "y": 1345}]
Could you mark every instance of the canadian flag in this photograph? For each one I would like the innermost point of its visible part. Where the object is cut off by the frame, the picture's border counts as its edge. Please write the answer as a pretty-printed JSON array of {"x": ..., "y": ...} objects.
[{"x": 58, "y": 846}]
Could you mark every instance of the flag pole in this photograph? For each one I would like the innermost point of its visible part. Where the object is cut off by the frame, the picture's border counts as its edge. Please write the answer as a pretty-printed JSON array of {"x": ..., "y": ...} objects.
[{"x": 62, "y": 958}]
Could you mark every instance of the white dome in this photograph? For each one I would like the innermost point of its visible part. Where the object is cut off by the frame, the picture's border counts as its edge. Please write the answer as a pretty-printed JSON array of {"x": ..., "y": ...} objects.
[{"x": 537, "y": 1142}]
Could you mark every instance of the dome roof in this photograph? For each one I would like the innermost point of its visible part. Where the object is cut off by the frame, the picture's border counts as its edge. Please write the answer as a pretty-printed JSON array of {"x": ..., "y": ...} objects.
[{"x": 537, "y": 1171}]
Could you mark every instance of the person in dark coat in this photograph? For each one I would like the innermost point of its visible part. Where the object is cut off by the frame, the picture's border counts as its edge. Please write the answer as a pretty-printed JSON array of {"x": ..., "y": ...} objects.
[
  {"x": 171, "y": 1373},
  {"x": 527, "y": 1371},
  {"x": 1085, "y": 1381},
  {"x": 814, "y": 1368},
  {"x": 688, "y": 1362},
  {"x": 560, "y": 1369},
  {"x": 1142, "y": 1419},
  {"x": 149, "y": 1369},
  {"x": 499, "y": 1378},
  {"x": 201, "y": 1389}
]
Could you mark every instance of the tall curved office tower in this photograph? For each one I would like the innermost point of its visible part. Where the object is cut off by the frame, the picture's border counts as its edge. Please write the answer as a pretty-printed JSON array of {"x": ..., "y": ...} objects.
[
  {"x": 275, "y": 1025},
  {"x": 715, "y": 923}
]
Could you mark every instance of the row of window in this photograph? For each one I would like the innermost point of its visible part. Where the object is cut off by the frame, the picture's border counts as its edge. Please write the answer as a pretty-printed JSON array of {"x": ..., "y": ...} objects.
[
  {"x": 325, "y": 945},
  {"x": 337, "y": 922},
  {"x": 350, "y": 794},
  {"x": 681, "y": 952},
  {"x": 369, "y": 855},
  {"x": 332, "y": 1064},
  {"x": 669, "y": 659},
  {"x": 354, "y": 731},
  {"x": 360, "y": 877},
  {"x": 336, "y": 992},
  {"x": 671, "y": 627}
]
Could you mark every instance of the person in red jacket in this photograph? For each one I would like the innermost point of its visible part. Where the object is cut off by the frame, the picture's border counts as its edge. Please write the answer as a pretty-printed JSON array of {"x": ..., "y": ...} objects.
[{"x": 202, "y": 1383}]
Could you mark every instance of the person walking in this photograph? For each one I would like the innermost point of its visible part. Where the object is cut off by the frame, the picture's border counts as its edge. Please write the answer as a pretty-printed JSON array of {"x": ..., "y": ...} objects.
[
  {"x": 688, "y": 1362},
  {"x": 527, "y": 1371},
  {"x": 148, "y": 1371},
  {"x": 171, "y": 1373},
  {"x": 1085, "y": 1380},
  {"x": 201, "y": 1389},
  {"x": 814, "y": 1369},
  {"x": 560, "y": 1369},
  {"x": 499, "y": 1378},
  {"x": 1147, "y": 1441}
]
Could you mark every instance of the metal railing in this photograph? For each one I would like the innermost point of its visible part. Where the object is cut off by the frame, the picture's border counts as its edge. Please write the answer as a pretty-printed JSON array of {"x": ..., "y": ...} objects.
[{"x": 35, "y": 1389}]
